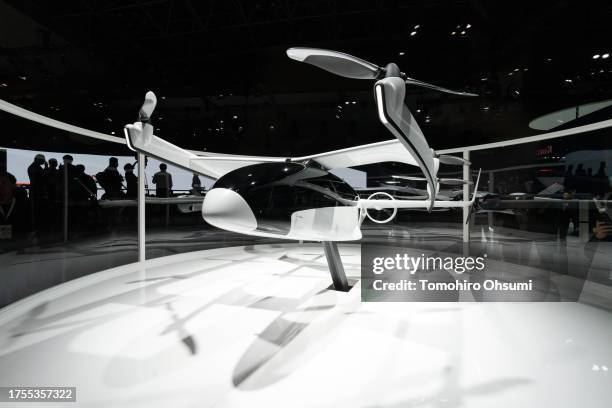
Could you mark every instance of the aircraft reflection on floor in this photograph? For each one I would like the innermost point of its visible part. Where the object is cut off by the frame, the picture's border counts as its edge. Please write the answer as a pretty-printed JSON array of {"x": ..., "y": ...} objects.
[{"x": 251, "y": 325}]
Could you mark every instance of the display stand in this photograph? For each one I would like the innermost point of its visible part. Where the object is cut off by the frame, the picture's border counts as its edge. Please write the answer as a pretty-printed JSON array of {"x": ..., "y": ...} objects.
[{"x": 336, "y": 269}]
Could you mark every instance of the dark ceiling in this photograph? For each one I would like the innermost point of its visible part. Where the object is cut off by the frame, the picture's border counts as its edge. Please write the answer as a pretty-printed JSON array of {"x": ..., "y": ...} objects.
[{"x": 225, "y": 84}]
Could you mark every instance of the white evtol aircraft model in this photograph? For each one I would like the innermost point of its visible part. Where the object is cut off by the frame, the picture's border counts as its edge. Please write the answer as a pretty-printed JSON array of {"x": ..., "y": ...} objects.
[{"x": 297, "y": 198}]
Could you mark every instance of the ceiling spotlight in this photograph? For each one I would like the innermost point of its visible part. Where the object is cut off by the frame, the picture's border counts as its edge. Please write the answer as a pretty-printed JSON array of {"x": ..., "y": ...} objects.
[
  {"x": 354, "y": 102},
  {"x": 413, "y": 33},
  {"x": 4, "y": 85},
  {"x": 401, "y": 53},
  {"x": 468, "y": 26},
  {"x": 463, "y": 32},
  {"x": 337, "y": 117},
  {"x": 339, "y": 106},
  {"x": 346, "y": 103},
  {"x": 113, "y": 132},
  {"x": 596, "y": 56},
  {"x": 454, "y": 33},
  {"x": 606, "y": 55},
  {"x": 416, "y": 27},
  {"x": 569, "y": 81},
  {"x": 483, "y": 79},
  {"x": 516, "y": 69},
  {"x": 22, "y": 77},
  {"x": 418, "y": 111},
  {"x": 235, "y": 117}
]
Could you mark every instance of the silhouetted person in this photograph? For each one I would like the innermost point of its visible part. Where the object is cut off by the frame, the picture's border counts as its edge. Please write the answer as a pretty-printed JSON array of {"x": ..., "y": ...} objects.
[
  {"x": 602, "y": 170},
  {"x": 52, "y": 181},
  {"x": 36, "y": 173},
  {"x": 131, "y": 181},
  {"x": 67, "y": 164},
  {"x": 196, "y": 184},
  {"x": 37, "y": 176},
  {"x": 602, "y": 180},
  {"x": 14, "y": 209},
  {"x": 88, "y": 188},
  {"x": 162, "y": 181},
  {"x": 68, "y": 167},
  {"x": 580, "y": 177},
  {"x": 110, "y": 179}
]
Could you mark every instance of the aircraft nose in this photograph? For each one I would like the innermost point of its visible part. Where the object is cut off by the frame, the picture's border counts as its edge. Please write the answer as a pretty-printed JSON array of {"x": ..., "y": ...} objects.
[{"x": 228, "y": 210}]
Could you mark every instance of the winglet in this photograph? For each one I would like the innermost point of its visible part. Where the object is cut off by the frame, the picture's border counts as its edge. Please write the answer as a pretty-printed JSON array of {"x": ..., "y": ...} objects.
[
  {"x": 473, "y": 200},
  {"x": 476, "y": 188},
  {"x": 148, "y": 106}
]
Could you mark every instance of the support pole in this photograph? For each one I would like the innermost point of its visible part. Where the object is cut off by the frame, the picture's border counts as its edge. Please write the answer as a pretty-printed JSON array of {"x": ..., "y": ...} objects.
[
  {"x": 467, "y": 175},
  {"x": 584, "y": 232},
  {"x": 491, "y": 190},
  {"x": 141, "y": 208},
  {"x": 334, "y": 262},
  {"x": 65, "y": 201}
]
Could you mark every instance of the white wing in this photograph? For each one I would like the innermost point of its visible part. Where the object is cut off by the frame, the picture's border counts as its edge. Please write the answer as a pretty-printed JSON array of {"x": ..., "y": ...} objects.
[{"x": 216, "y": 164}]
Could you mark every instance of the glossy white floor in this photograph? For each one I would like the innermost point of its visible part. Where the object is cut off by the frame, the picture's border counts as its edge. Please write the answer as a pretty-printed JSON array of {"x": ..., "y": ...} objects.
[{"x": 257, "y": 326}]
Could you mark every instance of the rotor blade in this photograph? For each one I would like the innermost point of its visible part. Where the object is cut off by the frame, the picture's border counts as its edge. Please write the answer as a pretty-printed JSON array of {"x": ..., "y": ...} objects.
[
  {"x": 336, "y": 62},
  {"x": 453, "y": 160},
  {"x": 410, "y": 81}
]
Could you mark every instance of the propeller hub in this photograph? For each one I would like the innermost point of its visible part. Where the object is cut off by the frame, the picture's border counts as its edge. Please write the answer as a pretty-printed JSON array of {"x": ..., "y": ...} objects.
[{"x": 392, "y": 70}]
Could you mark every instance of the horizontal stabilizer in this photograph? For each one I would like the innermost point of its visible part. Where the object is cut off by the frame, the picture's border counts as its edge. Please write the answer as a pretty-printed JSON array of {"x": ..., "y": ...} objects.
[
  {"x": 448, "y": 181},
  {"x": 411, "y": 178},
  {"x": 454, "y": 181}
]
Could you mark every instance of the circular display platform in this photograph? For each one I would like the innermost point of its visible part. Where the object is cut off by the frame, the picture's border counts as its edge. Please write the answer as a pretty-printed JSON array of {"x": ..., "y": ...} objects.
[{"x": 258, "y": 326}]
